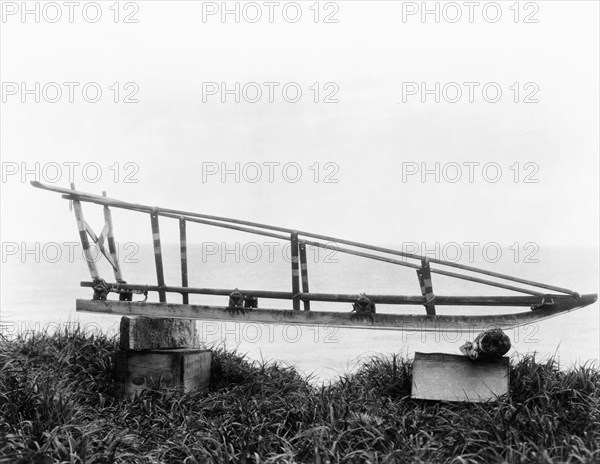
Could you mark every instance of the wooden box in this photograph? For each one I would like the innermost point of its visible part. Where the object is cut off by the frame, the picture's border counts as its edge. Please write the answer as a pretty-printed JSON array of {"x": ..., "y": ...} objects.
[
  {"x": 156, "y": 333},
  {"x": 449, "y": 377},
  {"x": 188, "y": 369}
]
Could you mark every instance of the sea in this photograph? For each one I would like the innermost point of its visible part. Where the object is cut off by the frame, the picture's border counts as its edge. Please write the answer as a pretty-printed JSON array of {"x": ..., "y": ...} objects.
[{"x": 40, "y": 283}]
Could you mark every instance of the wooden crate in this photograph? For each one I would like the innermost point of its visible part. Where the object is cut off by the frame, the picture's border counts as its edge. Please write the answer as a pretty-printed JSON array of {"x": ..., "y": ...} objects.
[
  {"x": 156, "y": 333},
  {"x": 449, "y": 377},
  {"x": 188, "y": 369}
]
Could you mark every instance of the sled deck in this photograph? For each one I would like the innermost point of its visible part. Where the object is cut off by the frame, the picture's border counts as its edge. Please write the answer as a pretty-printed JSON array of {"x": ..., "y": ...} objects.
[{"x": 541, "y": 300}]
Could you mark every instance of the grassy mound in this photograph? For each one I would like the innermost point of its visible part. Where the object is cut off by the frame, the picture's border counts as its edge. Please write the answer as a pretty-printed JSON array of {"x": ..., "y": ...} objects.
[{"x": 57, "y": 405}]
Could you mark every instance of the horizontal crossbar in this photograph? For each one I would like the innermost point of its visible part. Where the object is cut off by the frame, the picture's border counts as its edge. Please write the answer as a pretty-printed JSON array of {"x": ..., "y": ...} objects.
[{"x": 351, "y": 298}]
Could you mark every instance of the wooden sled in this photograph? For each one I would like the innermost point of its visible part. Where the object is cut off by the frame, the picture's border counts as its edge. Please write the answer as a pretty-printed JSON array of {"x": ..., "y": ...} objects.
[{"x": 542, "y": 300}]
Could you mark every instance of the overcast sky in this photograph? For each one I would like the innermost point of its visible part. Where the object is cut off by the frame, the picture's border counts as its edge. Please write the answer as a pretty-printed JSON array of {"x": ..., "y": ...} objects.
[{"x": 371, "y": 140}]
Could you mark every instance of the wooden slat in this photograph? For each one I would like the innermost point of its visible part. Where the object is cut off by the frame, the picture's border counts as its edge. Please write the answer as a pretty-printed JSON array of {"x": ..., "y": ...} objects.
[
  {"x": 111, "y": 242},
  {"x": 99, "y": 241},
  {"x": 304, "y": 273},
  {"x": 426, "y": 286},
  {"x": 415, "y": 323},
  {"x": 183, "y": 253},
  {"x": 295, "y": 271},
  {"x": 85, "y": 244},
  {"x": 160, "y": 275}
]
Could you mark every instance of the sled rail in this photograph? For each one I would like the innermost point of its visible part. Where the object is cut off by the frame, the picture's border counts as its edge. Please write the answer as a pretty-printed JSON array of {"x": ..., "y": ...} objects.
[
  {"x": 230, "y": 223},
  {"x": 441, "y": 300}
]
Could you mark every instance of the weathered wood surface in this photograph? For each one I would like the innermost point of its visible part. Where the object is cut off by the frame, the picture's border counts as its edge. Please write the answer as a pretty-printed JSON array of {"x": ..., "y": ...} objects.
[
  {"x": 448, "y": 377},
  {"x": 304, "y": 273},
  {"x": 426, "y": 286},
  {"x": 85, "y": 243},
  {"x": 147, "y": 333},
  {"x": 112, "y": 248},
  {"x": 407, "y": 322},
  {"x": 188, "y": 369},
  {"x": 160, "y": 274},
  {"x": 295, "y": 271},
  {"x": 183, "y": 254}
]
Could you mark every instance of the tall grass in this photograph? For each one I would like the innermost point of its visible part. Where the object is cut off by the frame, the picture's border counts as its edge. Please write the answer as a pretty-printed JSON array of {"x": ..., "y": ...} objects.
[{"x": 57, "y": 405}]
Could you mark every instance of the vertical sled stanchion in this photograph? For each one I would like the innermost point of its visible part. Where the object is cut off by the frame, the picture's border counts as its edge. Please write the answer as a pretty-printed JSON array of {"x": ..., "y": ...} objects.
[
  {"x": 84, "y": 238},
  {"x": 426, "y": 284},
  {"x": 304, "y": 272},
  {"x": 111, "y": 243},
  {"x": 183, "y": 252},
  {"x": 124, "y": 295},
  {"x": 295, "y": 272},
  {"x": 158, "y": 257}
]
